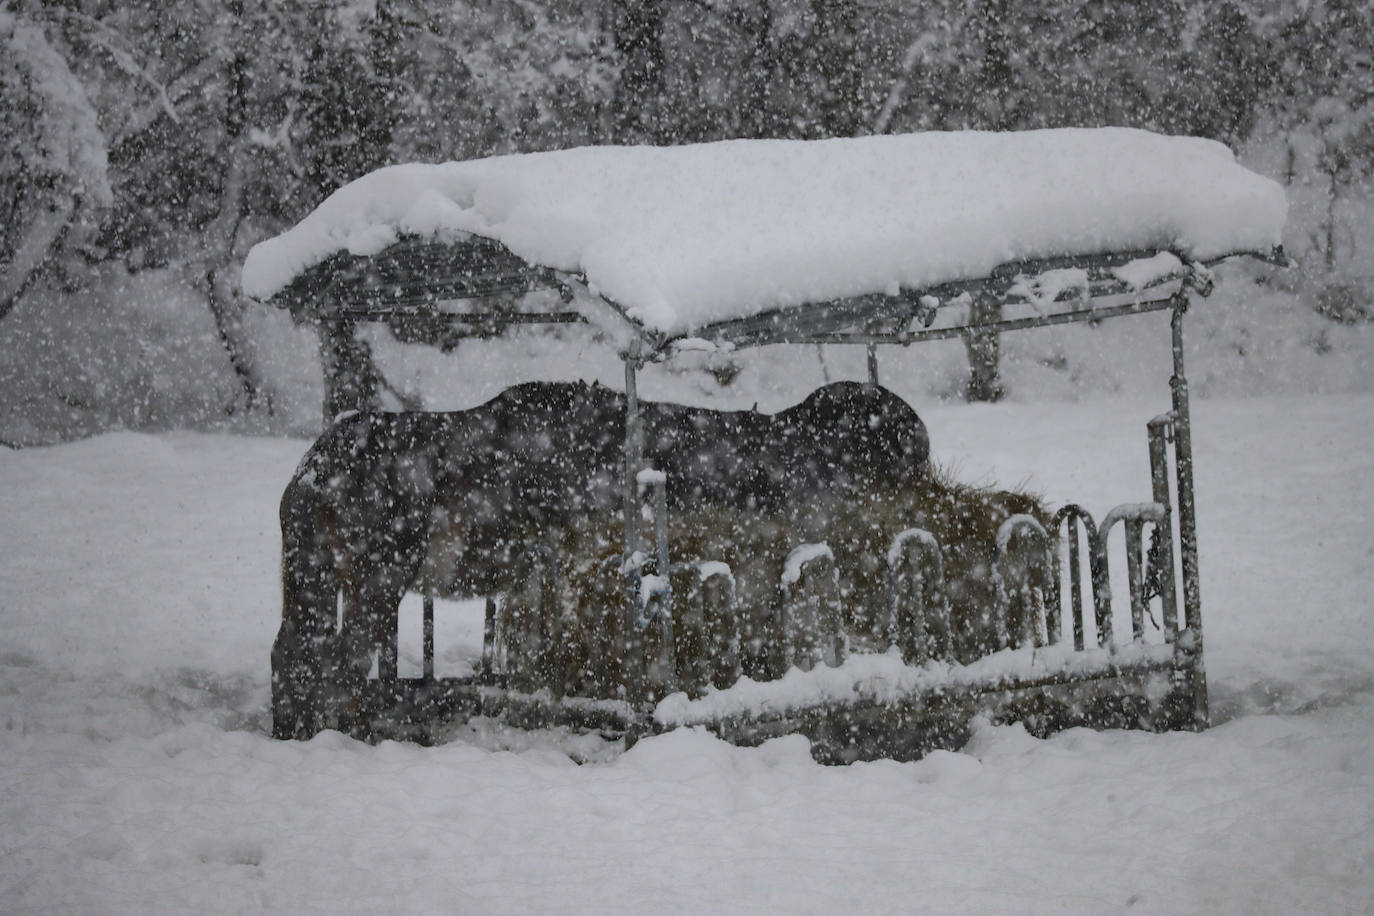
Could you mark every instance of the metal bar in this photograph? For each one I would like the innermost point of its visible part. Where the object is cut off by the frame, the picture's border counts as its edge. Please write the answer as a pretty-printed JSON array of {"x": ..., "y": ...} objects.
[
  {"x": 1183, "y": 451},
  {"x": 1073, "y": 515},
  {"x": 386, "y": 658},
  {"x": 1015, "y": 581},
  {"x": 634, "y": 643},
  {"x": 921, "y": 303},
  {"x": 633, "y": 450},
  {"x": 1134, "y": 515},
  {"x": 428, "y": 624},
  {"x": 641, "y": 339},
  {"x": 661, "y": 527},
  {"x": 1098, "y": 561},
  {"x": 664, "y": 619},
  {"x": 485, "y": 323},
  {"x": 1135, "y": 581},
  {"x": 918, "y": 611},
  {"x": 1076, "y": 588},
  {"x": 409, "y": 298},
  {"x": 1187, "y": 512},
  {"x": 1054, "y": 603},
  {"x": 771, "y": 328},
  {"x": 350, "y": 378},
  {"x": 873, "y": 364},
  {"x": 488, "y": 637},
  {"x": 1102, "y": 593},
  {"x": 419, "y": 273},
  {"x": 1158, "y": 430},
  {"x": 905, "y": 338}
]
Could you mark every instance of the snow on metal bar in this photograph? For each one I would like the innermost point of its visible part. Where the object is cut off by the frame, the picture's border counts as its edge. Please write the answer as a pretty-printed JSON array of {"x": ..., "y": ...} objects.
[
  {"x": 686, "y": 237},
  {"x": 1031, "y": 293},
  {"x": 884, "y": 678}
]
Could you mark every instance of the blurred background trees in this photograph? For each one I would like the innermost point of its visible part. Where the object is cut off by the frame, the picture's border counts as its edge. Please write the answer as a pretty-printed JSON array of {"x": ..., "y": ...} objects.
[{"x": 150, "y": 144}]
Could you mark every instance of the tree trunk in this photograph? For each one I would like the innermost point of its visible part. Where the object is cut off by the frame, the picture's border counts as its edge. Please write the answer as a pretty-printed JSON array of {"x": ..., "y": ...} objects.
[
  {"x": 756, "y": 117},
  {"x": 227, "y": 308},
  {"x": 984, "y": 347},
  {"x": 223, "y": 298},
  {"x": 637, "y": 28},
  {"x": 221, "y": 255}
]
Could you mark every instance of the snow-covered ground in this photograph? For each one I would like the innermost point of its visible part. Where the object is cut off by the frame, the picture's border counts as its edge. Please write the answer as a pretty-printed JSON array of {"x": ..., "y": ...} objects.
[{"x": 138, "y": 579}]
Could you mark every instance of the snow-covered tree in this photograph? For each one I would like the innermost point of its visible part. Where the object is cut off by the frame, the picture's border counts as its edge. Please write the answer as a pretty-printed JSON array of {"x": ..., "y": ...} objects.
[
  {"x": 53, "y": 166},
  {"x": 169, "y": 137}
]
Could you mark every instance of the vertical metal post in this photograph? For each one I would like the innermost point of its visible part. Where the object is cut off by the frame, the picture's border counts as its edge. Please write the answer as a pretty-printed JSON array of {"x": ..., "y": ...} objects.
[
  {"x": 873, "y": 364},
  {"x": 1054, "y": 601},
  {"x": 664, "y": 621},
  {"x": 428, "y": 625},
  {"x": 1070, "y": 517},
  {"x": 1134, "y": 579},
  {"x": 351, "y": 380},
  {"x": 1187, "y": 512},
  {"x": 386, "y": 658},
  {"x": 488, "y": 637},
  {"x": 1102, "y": 593},
  {"x": 1159, "y": 478},
  {"x": 634, "y": 450},
  {"x": 661, "y": 528},
  {"x": 1075, "y": 587}
]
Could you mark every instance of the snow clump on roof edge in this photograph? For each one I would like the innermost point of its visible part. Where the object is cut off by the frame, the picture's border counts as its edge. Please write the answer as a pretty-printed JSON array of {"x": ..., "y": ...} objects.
[{"x": 684, "y": 236}]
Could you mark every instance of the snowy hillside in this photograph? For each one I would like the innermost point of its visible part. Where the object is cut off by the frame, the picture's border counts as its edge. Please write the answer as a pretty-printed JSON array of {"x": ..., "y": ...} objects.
[{"x": 138, "y": 600}]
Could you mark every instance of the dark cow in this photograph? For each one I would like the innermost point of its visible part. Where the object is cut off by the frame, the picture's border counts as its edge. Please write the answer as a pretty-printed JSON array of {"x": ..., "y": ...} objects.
[{"x": 382, "y": 499}]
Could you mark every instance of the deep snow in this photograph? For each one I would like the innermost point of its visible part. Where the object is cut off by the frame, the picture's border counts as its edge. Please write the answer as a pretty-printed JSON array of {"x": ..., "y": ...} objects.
[
  {"x": 138, "y": 579},
  {"x": 686, "y": 235}
]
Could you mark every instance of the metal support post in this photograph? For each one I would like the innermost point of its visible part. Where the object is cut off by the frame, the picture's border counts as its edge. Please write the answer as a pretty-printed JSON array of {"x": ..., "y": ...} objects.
[
  {"x": 1134, "y": 578},
  {"x": 387, "y": 665},
  {"x": 1187, "y": 513},
  {"x": 1072, "y": 516},
  {"x": 488, "y": 639},
  {"x": 634, "y": 450},
  {"x": 428, "y": 626},
  {"x": 661, "y": 529},
  {"x": 1158, "y": 431},
  {"x": 351, "y": 381}
]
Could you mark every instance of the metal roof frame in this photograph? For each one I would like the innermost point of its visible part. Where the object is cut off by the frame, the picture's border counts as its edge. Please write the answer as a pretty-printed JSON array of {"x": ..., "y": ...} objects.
[{"x": 475, "y": 287}]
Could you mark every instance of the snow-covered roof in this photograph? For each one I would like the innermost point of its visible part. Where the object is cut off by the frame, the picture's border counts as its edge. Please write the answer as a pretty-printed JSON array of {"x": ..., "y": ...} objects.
[{"x": 682, "y": 237}]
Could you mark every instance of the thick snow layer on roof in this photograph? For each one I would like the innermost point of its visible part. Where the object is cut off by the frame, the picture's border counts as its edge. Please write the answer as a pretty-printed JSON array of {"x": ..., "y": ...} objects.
[{"x": 684, "y": 236}]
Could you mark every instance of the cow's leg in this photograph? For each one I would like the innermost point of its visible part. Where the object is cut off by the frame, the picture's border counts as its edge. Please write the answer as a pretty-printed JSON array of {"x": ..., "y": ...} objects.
[
  {"x": 304, "y": 642},
  {"x": 377, "y": 582}
]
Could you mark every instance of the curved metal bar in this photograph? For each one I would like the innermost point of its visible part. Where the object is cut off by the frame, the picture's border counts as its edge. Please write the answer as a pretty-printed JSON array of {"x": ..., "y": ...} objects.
[
  {"x": 1134, "y": 515},
  {"x": 706, "y": 626},
  {"x": 923, "y": 631},
  {"x": 1072, "y": 514},
  {"x": 1044, "y": 562},
  {"x": 812, "y": 630}
]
